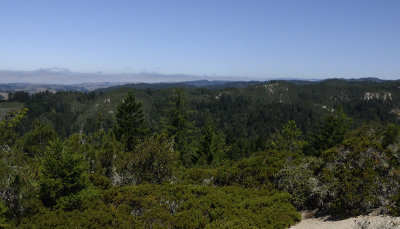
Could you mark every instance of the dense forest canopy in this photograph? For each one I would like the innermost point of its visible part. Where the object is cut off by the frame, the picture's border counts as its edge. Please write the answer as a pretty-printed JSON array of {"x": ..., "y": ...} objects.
[
  {"x": 257, "y": 109},
  {"x": 199, "y": 157}
]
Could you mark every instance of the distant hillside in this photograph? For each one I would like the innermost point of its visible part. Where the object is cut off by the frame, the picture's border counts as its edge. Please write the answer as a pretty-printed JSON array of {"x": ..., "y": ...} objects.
[
  {"x": 66, "y": 77},
  {"x": 34, "y": 88},
  {"x": 243, "y": 108},
  {"x": 187, "y": 84},
  {"x": 213, "y": 84}
]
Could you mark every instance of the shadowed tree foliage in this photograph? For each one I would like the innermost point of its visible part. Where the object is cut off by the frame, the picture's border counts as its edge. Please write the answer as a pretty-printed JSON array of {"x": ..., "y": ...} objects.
[
  {"x": 390, "y": 135},
  {"x": 131, "y": 127},
  {"x": 151, "y": 161},
  {"x": 288, "y": 139},
  {"x": 331, "y": 133},
  {"x": 7, "y": 125},
  {"x": 103, "y": 148},
  {"x": 180, "y": 128},
  {"x": 212, "y": 145},
  {"x": 16, "y": 176},
  {"x": 63, "y": 174},
  {"x": 36, "y": 140}
]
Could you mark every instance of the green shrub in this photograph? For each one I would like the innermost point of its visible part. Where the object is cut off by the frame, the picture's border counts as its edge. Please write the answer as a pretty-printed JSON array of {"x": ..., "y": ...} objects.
[
  {"x": 152, "y": 161},
  {"x": 3, "y": 216},
  {"x": 356, "y": 177},
  {"x": 100, "y": 181},
  {"x": 185, "y": 206},
  {"x": 98, "y": 215},
  {"x": 395, "y": 207},
  {"x": 300, "y": 181},
  {"x": 199, "y": 176},
  {"x": 256, "y": 171},
  {"x": 173, "y": 206}
]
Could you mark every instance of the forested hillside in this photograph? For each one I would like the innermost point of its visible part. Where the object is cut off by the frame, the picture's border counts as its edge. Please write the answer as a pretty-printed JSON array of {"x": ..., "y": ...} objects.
[{"x": 246, "y": 155}]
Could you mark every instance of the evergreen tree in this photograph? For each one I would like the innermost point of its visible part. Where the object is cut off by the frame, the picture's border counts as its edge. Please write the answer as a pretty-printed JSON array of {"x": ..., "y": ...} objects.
[
  {"x": 331, "y": 133},
  {"x": 390, "y": 135},
  {"x": 288, "y": 139},
  {"x": 62, "y": 175},
  {"x": 152, "y": 161},
  {"x": 211, "y": 146},
  {"x": 131, "y": 127},
  {"x": 103, "y": 149},
  {"x": 181, "y": 129},
  {"x": 7, "y": 126},
  {"x": 16, "y": 177},
  {"x": 207, "y": 144},
  {"x": 99, "y": 122},
  {"x": 3, "y": 215},
  {"x": 35, "y": 141}
]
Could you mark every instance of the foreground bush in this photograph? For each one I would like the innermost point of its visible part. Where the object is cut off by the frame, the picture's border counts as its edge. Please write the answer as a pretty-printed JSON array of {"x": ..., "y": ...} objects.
[
  {"x": 357, "y": 177},
  {"x": 300, "y": 181},
  {"x": 257, "y": 171},
  {"x": 175, "y": 206}
]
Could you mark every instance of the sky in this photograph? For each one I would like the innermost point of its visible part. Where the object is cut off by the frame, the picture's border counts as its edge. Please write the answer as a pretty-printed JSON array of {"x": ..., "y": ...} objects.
[{"x": 211, "y": 38}]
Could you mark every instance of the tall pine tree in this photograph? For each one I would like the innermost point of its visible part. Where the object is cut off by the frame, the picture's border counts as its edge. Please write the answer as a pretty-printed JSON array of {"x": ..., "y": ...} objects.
[
  {"x": 331, "y": 133},
  {"x": 212, "y": 144},
  {"x": 181, "y": 129},
  {"x": 131, "y": 127}
]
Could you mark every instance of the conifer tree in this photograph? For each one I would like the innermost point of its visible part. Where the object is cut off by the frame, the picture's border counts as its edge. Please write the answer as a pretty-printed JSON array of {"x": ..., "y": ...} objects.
[
  {"x": 152, "y": 162},
  {"x": 207, "y": 144},
  {"x": 62, "y": 174},
  {"x": 288, "y": 139},
  {"x": 331, "y": 133},
  {"x": 390, "y": 134},
  {"x": 180, "y": 128},
  {"x": 131, "y": 127},
  {"x": 212, "y": 144},
  {"x": 16, "y": 178},
  {"x": 36, "y": 140}
]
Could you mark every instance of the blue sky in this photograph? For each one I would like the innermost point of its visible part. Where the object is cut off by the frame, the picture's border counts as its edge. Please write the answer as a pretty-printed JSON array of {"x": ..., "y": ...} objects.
[{"x": 247, "y": 38}]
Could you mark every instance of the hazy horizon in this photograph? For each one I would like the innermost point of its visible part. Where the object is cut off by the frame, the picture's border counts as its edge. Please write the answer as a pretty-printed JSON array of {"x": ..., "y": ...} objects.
[
  {"x": 255, "y": 40},
  {"x": 67, "y": 77}
]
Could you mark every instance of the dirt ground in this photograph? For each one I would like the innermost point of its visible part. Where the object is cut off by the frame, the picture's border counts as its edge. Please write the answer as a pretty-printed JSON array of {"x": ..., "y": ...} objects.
[{"x": 360, "y": 222}]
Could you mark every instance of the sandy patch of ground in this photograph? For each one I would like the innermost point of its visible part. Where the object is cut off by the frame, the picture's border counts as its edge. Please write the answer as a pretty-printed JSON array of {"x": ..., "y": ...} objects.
[{"x": 360, "y": 222}]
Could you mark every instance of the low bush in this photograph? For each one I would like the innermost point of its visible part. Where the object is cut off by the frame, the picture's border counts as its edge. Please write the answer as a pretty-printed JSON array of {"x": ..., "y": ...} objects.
[
  {"x": 301, "y": 181},
  {"x": 257, "y": 171},
  {"x": 174, "y": 206},
  {"x": 188, "y": 206},
  {"x": 199, "y": 176}
]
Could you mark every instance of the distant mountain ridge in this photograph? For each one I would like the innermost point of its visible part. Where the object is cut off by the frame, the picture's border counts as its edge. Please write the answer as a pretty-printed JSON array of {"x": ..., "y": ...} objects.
[
  {"x": 66, "y": 77},
  {"x": 57, "y": 76},
  {"x": 33, "y": 88},
  {"x": 209, "y": 84}
]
